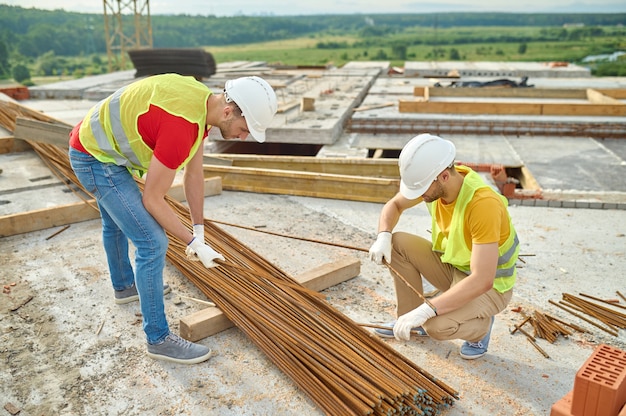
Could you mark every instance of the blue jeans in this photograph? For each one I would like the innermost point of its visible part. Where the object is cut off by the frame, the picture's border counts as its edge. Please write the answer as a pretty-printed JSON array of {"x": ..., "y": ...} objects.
[{"x": 125, "y": 218}]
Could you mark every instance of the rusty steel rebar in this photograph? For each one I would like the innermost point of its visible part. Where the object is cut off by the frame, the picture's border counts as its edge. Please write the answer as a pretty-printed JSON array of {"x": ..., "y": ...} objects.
[
  {"x": 607, "y": 315},
  {"x": 566, "y": 309}
]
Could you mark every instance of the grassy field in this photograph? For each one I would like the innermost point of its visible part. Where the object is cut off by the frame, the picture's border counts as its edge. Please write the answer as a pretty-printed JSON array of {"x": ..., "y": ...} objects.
[{"x": 429, "y": 44}]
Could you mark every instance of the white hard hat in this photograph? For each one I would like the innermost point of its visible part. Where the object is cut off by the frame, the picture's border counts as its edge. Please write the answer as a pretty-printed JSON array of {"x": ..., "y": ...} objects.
[
  {"x": 257, "y": 101},
  {"x": 421, "y": 160}
]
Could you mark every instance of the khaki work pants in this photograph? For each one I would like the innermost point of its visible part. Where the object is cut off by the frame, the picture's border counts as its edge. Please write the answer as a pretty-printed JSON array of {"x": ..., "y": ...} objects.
[{"x": 412, "y": 257}]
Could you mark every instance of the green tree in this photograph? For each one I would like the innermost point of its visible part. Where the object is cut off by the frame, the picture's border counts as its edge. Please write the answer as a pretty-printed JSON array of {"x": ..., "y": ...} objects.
[
  {"x": 454, "y": 55},
  {"x": 399, "y": 51},
  {"x": 5, "y": 67},
  {"x": 49, "y": 64},
  {"x": 380, "y": 56},
  {"x": 21, "y": 73},
  {"x": 522, "y": 48}
]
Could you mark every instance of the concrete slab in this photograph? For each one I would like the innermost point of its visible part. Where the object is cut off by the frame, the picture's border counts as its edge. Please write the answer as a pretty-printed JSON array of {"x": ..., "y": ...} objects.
[
  {"x": 574, "y": 163},
  {"x": 71, "y": 350},
  {"x": 26, "y": 184}
]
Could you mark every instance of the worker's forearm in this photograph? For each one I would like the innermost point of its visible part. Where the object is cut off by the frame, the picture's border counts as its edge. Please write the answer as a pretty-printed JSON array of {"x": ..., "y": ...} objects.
[
  {"x": 163, "y": 214},
  {"x": 389, "y": 217},
  {"x": 194, "y": 193},
  {"x": 460, "y": 294}
]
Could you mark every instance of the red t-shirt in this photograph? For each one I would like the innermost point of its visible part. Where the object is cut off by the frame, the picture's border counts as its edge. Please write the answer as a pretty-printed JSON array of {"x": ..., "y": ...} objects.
[{"x": 170, "y": 137}]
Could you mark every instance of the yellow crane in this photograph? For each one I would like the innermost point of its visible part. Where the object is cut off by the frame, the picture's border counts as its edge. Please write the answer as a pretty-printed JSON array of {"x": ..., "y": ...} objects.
[{"x": 120, "y": 41}]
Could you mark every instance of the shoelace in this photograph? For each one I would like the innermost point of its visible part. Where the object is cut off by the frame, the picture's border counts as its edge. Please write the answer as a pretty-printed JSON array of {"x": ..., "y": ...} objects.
[
  {"x": 475, "y": 344},
  {"x": 180, "y": 341}
]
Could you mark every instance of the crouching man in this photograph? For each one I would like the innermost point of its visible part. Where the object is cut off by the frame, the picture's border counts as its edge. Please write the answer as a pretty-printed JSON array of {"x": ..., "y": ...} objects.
[{"x": 470, "y": 257}]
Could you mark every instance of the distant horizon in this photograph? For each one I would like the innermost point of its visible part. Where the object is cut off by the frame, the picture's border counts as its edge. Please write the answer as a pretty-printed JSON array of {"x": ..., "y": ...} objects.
[{"x": 337, "y": 7}]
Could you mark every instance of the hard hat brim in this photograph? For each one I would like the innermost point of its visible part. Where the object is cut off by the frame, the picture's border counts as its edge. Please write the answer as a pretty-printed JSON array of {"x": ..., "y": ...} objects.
[
  {"x": 259, "y": 136},
  {"x": 409, "y": 193}
]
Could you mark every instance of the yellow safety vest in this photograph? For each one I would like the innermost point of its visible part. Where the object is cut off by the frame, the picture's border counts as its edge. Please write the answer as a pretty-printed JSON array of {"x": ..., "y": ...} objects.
[
  {"x": 454, "y": 248},
  {"x": 109, "y": 130}
]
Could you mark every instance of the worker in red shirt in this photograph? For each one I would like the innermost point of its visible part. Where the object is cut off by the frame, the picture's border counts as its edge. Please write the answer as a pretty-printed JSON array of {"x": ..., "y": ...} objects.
[{"x": 156, "y": 126}]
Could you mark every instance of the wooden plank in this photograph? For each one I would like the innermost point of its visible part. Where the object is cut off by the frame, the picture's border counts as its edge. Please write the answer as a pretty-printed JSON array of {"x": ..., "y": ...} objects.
[
  {"x": 618, "y": 93},
  {"x": 43, "y": 132},
  {"x": 286, "y": 107},
  {"x": 319, "y": 185},
  {"x": 41, "y": 219},
  {"x": 330, "y": 274},
  {"x": 13, "y": 145},
  {"x": 215, "y": 160},
  {"x": 211, "y": 320},
  {"x": 561, "y": 109},
  {"x": 596, "y": 97},
  {"x": 501, "y": 92},
  {"x": 44, "y": 218},
  {"x": 374, "y": 106},
  {"x": 212, "y": 186},
  {"x": 381, "y": 168}
]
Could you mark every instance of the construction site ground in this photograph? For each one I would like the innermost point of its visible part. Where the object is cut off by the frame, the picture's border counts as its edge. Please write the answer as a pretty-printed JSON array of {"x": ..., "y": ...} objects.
[{"x": 66, "y": 348}]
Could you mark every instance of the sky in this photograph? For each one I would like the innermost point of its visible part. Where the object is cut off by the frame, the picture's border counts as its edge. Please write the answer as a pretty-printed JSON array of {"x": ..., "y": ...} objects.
[{"x": 307, "y": 7}]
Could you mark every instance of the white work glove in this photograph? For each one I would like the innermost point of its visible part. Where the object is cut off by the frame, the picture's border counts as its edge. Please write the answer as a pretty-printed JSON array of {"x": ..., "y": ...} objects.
[
  {"x": 197, "y": 250},
  {"x": 381, "y": 248},
  {"x": 410, "y": 320},
  {"x": 198, "y": 231}
]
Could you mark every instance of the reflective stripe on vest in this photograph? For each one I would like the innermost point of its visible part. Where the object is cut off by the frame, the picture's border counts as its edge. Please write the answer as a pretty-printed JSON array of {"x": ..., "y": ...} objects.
[
  {"x": 130, "y": 158},
  {"x": 454, "y": 248},
  {"x": 109, "y": 131}
]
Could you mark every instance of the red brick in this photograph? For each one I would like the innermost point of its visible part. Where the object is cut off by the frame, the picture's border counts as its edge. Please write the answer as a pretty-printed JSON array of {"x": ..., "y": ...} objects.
[
  {"x": 16, "y": 92},
  {"x": 600, "y": 385},
  {"x": 563, "y": 407}
]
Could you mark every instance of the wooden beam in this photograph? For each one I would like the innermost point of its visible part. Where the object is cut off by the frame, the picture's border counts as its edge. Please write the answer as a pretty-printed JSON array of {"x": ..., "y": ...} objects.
[
  {"x": 216, "y": 160},
  {"x": 211, "y": 320},
  {"x": 380, "y": 168},
  {"x": 501, "y": 92},
  {"x": 13, "y": 145},
  {"x": 596, "y": 97},
  {"x": 319, "y": 185},
  {"x": 554, "y": 109},
  {"x": 374, "y": 106},
  {"x": 618, "y": 93},
  {"x": 43, "y": 132},
  {"x": 286, "y": 107},
  {"x": 212, "y": 186},
  {"x": 41, "y": 219}
]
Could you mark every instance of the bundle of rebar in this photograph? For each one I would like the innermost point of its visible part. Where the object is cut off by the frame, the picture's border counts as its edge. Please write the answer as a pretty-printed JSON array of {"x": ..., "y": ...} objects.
[
  {"x": 611, "y": 318},
  {"x": 546, "y": 327},
  {"x": 342, "y": 367}
]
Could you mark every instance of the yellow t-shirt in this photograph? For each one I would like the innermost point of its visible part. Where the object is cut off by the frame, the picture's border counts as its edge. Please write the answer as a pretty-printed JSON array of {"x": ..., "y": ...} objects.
[{"x": 486, "y": 218}]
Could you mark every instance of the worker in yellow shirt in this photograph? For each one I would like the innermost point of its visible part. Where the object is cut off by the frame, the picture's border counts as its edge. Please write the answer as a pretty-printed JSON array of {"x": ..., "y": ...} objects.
[{"x": 470, "y": 256}]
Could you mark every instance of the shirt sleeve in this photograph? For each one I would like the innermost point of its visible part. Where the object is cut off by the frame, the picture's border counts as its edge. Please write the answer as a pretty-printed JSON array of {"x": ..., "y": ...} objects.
[{"x": 170, "y": 137}]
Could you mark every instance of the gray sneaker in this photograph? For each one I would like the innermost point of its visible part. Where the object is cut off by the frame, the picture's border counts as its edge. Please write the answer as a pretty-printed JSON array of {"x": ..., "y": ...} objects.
[
  {"x": 131, "y": 295},
  {"x": 179, "y": 350}
]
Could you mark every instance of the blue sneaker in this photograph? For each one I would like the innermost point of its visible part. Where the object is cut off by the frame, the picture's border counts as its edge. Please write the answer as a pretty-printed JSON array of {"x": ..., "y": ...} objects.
[
  {"x": 473, "y": 350},
  {"x": 388, "y": 331}
]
